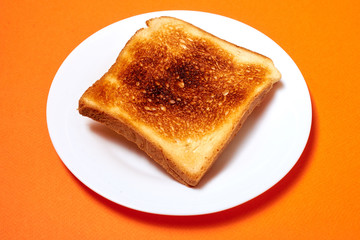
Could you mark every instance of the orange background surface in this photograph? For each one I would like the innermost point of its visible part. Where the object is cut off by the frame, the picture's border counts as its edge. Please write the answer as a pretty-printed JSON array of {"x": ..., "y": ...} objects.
[{"x": 318, "y": 199}]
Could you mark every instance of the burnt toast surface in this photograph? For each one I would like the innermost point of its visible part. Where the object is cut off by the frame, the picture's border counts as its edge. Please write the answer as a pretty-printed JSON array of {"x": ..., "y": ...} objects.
[{"x": 183, "y": 84}]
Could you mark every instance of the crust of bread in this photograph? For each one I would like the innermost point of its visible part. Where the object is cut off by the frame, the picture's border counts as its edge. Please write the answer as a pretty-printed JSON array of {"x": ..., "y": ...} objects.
[
  {"x": 131, "y": 134},
  {"x": 186, "y": 151}
]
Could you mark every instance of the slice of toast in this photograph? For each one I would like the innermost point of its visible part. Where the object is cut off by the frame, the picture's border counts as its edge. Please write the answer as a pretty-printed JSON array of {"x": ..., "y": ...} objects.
[{"x": 179, "y": 93}]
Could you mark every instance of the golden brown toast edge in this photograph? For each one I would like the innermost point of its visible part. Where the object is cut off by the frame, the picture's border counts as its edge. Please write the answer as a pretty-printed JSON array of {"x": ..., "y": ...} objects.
[
  {"x": 130, "y": 133},
  {"x": 276, "y": 73}
]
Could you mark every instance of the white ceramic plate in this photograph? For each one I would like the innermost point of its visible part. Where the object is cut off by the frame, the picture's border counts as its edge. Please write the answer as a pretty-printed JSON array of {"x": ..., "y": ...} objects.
[{"x": 263, "y": 152}]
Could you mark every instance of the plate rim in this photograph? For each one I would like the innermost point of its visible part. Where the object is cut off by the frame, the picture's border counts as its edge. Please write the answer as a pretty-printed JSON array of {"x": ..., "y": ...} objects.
[{"x": 58, "y": 148}]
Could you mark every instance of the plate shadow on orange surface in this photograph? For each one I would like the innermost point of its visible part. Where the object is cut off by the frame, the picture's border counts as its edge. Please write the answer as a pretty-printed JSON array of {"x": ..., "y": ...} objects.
[{"x": 239, "y": 212}]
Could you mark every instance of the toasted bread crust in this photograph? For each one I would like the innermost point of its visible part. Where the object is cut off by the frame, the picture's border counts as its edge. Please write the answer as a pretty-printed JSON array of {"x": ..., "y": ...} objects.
[
  {"x": 180, "y": 93},
  {"x": 132, "y": 135},
  {"x": 149, "y": 23}
]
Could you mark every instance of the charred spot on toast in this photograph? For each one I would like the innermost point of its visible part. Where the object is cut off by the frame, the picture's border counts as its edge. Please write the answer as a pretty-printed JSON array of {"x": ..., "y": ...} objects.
[{"x": 183, "y": 86}]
